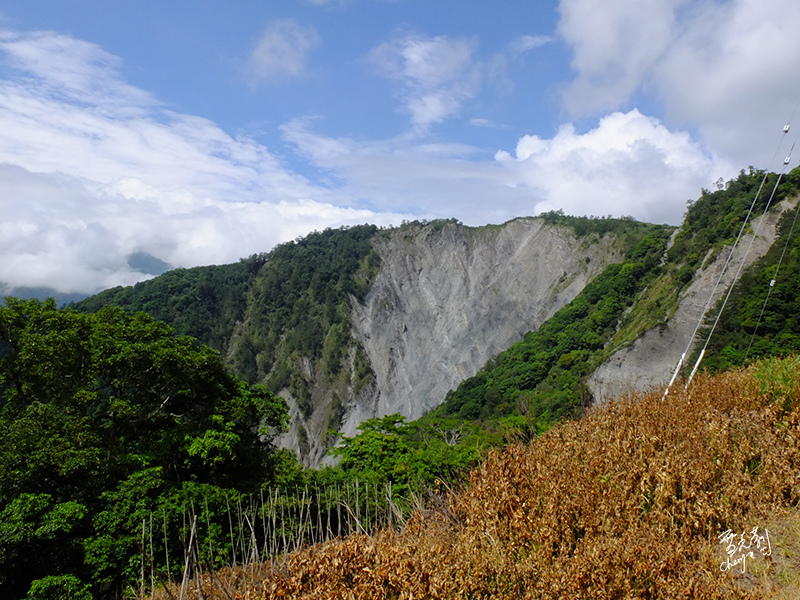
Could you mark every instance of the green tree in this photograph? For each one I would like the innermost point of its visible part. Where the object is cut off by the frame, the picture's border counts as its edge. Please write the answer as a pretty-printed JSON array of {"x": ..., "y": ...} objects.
[
  {"x": 101, "y": 415},
  {"x": 380, "y": 453}
]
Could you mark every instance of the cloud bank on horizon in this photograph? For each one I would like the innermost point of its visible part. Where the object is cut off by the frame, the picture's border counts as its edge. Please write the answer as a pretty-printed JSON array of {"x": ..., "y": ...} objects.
[{"x": 660, "y": 99}]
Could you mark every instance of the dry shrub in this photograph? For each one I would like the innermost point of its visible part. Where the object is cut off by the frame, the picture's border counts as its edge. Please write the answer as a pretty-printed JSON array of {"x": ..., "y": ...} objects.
[{"x": 628, "y": 502}]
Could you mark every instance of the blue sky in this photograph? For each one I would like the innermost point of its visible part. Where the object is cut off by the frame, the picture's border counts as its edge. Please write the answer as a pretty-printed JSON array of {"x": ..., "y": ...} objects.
[{"x": 199, "y": 133}]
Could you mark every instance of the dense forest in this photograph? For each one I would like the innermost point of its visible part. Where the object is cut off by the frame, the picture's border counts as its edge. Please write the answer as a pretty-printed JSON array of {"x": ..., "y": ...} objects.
[
  {"x": 108, "y": 421},
  {"x": 105, "y": 418}
]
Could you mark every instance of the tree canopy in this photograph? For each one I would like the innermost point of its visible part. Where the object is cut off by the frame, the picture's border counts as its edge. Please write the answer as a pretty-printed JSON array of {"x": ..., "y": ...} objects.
[{"x": 101, "y": 415}]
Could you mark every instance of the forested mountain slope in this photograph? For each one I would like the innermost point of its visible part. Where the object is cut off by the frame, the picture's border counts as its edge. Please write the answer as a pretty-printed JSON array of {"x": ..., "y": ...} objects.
[
  {"x": 628, "y": 332},
  {"x": 358, "y": 323}
]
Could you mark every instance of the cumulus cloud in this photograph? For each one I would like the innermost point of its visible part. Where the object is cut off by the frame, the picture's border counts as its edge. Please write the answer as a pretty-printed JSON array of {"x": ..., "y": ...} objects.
[
  {"x": 730, "y": 74},
  {"x": 283, "y": 49},
  {"x": 615, "y": 46},
  {"x": 629, "y": 164},
  {"x": 721, "y": 69},
  {"x": 93, "y": 170},
  {"x": 437, "y": 74}
]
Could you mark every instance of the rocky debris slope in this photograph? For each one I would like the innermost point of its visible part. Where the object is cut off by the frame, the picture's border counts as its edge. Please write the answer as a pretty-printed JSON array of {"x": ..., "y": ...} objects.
[
  {"x": 651, "y": 359},
  {"x": 446, "y": 301}
]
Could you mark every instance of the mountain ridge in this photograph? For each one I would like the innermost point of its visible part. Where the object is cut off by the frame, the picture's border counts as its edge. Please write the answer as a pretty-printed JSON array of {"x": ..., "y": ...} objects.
[{"x": 359, "y": 323}]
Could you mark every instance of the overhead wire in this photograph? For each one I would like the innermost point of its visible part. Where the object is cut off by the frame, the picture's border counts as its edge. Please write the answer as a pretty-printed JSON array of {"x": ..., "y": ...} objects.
[
  {"x": 786, "y": 129},
  {"x": 739, "y": 271},
  {"x": 772, "y": 282}
]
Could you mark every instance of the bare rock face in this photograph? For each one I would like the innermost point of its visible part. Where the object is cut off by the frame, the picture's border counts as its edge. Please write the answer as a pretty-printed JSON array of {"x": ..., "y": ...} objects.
[
  {"x": 652, "y": 359},
  {"x": 446, "y": 300}
]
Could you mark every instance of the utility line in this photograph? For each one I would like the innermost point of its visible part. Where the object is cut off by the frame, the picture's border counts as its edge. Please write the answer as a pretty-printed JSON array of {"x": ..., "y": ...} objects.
[
  {"x": 772, "y": 283},
  {"x": 738, "y": 272},
  {"x": 724, "y": 269}
]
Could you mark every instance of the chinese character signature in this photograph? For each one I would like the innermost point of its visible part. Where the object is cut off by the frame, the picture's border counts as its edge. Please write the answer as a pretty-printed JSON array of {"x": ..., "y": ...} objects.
[{"x": 739, "y": 552}]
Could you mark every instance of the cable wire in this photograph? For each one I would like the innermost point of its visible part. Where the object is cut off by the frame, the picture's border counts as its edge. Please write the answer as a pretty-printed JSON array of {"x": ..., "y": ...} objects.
[
  {"x": 735, "y": 277},
  {"x": 786, "y": 129},
  {"x": 772, "y": 283}
]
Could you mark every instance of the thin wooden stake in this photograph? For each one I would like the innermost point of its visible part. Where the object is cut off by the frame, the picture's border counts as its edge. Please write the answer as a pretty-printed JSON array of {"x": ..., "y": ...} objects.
[
  {"x": 188, "y": 556},
  {"x": 338, "y": 512},
  {"x": 320, "y": 531},
  {"x": 358, "y": 505},
  {"x": 141, "y": 584},
  {"x": 152, "y": 563},
  {"x": 230, "y": 526},
  {"x": 166, "y": 547}
]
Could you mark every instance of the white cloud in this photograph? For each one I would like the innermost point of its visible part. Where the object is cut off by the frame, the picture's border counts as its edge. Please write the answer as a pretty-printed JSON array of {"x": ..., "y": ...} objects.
[
  {"x": 628, "y": 165},
  {"x": 721, "y": 69},
  {"x": 405, "y": 175},
  {"x": 282, "y": 50},
  {"x": 438, "y": 74},
  {"x": 615, "y": 45},
  {"x": 526, "y": 43},
  {"x": 72, "y": 69},
  {"x": 93, "y": 170},
  {"x": 75, "y": 236},
  {"x": 731, "y": 73}
]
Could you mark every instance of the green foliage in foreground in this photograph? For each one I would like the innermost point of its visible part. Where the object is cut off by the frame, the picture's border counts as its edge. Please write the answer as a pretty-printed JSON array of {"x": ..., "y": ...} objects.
[
  {"x": 104, "y": 419},
  {"x": 412, "y": 457}
]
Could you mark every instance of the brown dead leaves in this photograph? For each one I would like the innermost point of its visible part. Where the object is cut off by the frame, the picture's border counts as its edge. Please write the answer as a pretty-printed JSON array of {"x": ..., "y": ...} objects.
[{"x": 625, "y": 503}]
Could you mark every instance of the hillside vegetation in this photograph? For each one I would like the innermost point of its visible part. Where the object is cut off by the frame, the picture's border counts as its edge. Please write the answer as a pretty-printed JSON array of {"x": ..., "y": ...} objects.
[
  {"x": 105, "y": 419},
  {"x": 762, "y": 316},
  {"x": 542, "y": 376},
  {"x": 283, "y": 318},
  {"x": 264, "y": 311},
  {"x": 631, "y": 501}
]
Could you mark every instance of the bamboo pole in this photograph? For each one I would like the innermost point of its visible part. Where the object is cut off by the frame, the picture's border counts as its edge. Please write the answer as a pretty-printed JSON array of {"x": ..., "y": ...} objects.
[
  {"x": 152, "y": 562},
  {"x": 230, "y": 527},
  {"x": 188, "y": 556}
]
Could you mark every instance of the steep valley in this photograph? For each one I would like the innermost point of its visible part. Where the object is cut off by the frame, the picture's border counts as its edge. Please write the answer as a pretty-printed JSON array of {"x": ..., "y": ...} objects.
[{"x": 359, "y": 323}]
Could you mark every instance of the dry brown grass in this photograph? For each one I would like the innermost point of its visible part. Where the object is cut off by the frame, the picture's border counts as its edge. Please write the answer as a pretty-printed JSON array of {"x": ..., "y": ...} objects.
[{"x": 628, "y": 502}]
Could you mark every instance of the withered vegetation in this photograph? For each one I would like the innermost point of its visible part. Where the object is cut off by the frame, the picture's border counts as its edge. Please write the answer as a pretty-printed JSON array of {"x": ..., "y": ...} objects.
[{"x": 628, "y": 502}]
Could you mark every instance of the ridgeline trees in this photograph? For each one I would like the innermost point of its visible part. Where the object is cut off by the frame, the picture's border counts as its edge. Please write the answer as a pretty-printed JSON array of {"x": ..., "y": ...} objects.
[{"x": 102, "y": 417}]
